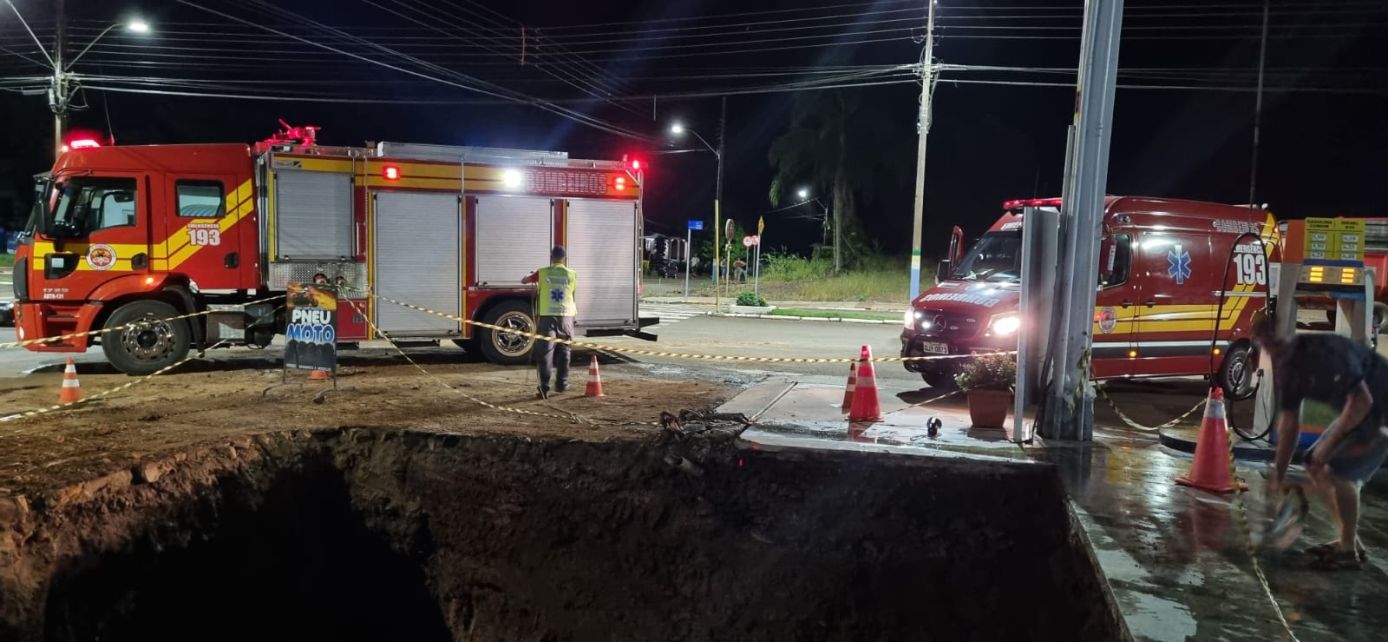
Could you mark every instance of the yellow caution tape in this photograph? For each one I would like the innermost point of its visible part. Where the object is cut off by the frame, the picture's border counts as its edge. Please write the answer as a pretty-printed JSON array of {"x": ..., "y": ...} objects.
[
  {"x": 133, "y": 324},
  {"x": 659, "y": 353},
  {"x": 105, "y": 393},
  {"x": 1239, "y": 491},
  {"x": 486, "y": 404},
  {"x": 1134, "y": 424}
]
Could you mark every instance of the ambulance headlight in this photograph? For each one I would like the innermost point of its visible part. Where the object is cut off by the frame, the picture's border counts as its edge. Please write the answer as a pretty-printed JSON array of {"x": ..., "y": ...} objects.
[
  {"x": 913, "y": 318},
  {"x": 1005, "y": 326}
]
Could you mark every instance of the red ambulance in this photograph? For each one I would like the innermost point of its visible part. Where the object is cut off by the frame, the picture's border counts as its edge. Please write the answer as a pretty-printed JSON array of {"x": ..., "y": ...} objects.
[{"x": 1161, "y": 265}]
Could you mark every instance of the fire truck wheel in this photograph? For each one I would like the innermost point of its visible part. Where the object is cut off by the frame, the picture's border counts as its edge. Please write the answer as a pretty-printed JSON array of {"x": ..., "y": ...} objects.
[
  {"x": 150, "y": 343},
  {"x": 503, "y": 348},
  {"x": 1237, "y": 373}
]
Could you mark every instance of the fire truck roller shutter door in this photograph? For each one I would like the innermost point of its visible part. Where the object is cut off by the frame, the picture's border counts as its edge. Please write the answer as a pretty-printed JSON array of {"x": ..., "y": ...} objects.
[
  {"x": 313, "y": 215},
  {"x": 514, "y": 236},
  {"x": 417, "y": 241},
  {"x": 602, "y": 249}
]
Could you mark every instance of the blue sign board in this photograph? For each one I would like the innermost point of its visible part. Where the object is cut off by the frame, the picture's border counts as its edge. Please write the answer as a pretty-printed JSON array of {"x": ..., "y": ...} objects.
[{"x": 696, "y": 225}]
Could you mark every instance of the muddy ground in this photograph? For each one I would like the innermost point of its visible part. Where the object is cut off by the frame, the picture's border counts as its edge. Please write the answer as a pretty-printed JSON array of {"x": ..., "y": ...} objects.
[
  {"x": 368, "y": 534},
  {"x": 200, "y": 506},
  {"x": 212, "y": 400}
]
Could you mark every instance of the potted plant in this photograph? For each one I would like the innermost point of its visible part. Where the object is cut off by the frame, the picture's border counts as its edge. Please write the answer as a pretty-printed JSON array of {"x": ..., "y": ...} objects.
[{"x": 988, "y": 380}]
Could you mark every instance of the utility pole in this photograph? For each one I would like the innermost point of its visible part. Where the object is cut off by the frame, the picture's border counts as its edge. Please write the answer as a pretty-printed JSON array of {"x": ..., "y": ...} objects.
[
  {"x": 1258, "y": 113},
  {"x": 58, "y": 98},
  {"x": 718, "y": 200},
  {"x": 1070, "y": 404},
  {"x": 923, "y": 125}
]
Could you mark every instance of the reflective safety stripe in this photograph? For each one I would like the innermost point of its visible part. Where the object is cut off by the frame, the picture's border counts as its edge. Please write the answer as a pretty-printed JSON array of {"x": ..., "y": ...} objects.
[{"x": 557, "y": 284}]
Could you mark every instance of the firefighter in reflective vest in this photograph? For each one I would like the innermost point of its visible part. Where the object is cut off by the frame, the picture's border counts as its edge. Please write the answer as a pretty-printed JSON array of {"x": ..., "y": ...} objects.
[{"x": 555, "y": 285}]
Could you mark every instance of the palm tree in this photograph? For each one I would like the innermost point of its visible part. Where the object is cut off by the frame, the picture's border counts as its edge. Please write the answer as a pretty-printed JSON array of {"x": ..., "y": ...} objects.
[{"x": 842, "y": 145}]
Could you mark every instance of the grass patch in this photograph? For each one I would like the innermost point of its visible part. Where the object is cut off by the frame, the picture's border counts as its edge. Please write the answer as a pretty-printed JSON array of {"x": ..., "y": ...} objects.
[
  {"x": 866, "y": 315},
  {"x": 876, "y": 282},
  {"x": 6, "y": 260},
  {"x": 878, "y": 279}
]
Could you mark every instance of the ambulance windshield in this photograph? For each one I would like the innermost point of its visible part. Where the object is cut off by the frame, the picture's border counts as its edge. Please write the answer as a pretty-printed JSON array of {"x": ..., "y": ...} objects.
[{"x": 997, "y": 257}]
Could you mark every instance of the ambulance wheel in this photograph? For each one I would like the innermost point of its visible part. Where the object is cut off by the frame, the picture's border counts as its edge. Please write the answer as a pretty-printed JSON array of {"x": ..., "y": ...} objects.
[
  {"x": 1238, "y": 373},
  {"x": 500, "y": 347},
  {"x": 941, "y": 380},
  {"x": 151, "y": 343}
]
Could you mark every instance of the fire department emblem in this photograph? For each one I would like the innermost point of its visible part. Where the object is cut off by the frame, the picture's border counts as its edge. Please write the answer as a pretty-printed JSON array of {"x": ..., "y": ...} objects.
[
  {"x": 101, "y": 257},
  {"x": 1108, "y": 320},
  {"x": 1178, "y": 264}
]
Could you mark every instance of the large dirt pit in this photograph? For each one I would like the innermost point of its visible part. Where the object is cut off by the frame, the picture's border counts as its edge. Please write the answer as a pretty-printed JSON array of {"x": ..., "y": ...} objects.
[{"x": 364, "y": 534}]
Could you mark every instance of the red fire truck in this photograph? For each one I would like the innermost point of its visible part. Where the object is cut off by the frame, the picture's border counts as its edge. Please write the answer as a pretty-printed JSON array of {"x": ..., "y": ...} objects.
[
  {"x": 1161, "y": 261},
  {"x": 135, "y": 233}
]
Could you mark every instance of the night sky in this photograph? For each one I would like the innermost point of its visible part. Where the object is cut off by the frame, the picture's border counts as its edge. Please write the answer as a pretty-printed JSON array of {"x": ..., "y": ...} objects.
[{"x": 1325, "y": 123}]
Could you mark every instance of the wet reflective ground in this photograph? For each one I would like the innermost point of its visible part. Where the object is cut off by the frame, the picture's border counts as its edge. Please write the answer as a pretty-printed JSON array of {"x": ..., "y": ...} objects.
[{"x": 1176, "y": 558}]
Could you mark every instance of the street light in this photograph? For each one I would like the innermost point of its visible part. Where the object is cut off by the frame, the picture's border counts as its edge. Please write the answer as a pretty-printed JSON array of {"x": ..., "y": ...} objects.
[
  {"x": 59, "y": 97},
  {"x": 678, "y": 129},
  {"x": 805, "y": 198},
  {"x": 134, "y": 25}
]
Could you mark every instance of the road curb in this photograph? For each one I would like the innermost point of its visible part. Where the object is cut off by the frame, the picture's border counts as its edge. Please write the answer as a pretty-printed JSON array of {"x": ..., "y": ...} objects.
[{"x": 790, "y": 318}]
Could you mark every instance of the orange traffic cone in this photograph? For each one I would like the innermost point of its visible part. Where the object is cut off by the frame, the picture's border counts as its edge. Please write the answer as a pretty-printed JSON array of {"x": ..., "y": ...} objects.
[
  {"x": 318, "y": 374},
  {"x": 848, "y": 390},
  {"x": 1210, "y": 471},
  {"x": 71, "y": 391},
  {"x": 865, "y": 404},
  {"x": 594, "y": 388}
]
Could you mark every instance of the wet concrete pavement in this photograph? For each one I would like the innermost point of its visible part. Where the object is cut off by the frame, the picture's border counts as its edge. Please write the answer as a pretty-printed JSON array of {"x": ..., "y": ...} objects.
[{"x": 1175, "y": 558}]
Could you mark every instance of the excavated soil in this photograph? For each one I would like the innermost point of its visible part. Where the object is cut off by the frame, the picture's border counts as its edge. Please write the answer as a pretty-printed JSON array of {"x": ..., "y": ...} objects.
[{"x": 364, "y": 534}]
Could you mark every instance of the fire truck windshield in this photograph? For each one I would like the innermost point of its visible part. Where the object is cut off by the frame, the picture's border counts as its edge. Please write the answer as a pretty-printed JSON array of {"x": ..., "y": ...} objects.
[
  {"x": 38, "y": 208},
  {"x": 83, "y": 204},
  {"x": 997, "y": 257}
]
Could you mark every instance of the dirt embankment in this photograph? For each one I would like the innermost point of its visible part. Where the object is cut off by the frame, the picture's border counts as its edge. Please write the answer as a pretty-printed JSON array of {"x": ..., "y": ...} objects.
[{"x": 364, "y": 534}]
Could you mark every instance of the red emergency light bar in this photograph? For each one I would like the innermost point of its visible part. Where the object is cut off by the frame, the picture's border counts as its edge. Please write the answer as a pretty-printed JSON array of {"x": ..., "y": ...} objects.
[
  {"x": 636, "y": 165},
  {"x": 83, "y": 143},
  {"x": 1030, "y": 202}
]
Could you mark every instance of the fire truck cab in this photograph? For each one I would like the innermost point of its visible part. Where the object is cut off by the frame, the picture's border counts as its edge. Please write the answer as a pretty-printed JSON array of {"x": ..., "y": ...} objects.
[
  {"x": 148, "y": 234},
  {"x": 1159, "y": 290}
]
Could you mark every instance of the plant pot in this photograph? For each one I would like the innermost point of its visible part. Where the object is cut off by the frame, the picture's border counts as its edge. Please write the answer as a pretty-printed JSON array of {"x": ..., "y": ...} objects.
[{"x": 988, "y": 408}]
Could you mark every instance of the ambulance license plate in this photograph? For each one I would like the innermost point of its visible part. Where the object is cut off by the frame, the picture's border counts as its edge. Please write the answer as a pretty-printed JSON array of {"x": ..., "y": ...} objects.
[{"x": 931, "y": 347}]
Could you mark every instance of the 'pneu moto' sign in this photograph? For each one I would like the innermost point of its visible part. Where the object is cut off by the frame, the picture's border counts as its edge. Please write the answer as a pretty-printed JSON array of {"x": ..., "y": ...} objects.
[{"x": 312, "y": 330}]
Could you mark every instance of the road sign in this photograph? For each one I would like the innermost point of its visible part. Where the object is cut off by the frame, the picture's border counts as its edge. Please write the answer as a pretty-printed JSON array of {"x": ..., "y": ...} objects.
[
  {"x": 749, "y": 241},
  {"x": 761, "y": 225},
  {"x": 696, "y": 225}
]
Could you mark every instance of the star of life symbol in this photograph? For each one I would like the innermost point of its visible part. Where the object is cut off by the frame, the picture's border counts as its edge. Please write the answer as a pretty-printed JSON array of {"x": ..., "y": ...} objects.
[
  {"x": 556, "y": 296},
  {"x": 1178, "y": 264}
]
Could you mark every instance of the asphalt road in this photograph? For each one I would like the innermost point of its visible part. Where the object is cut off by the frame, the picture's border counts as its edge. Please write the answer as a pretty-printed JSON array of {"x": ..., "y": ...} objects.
[{"x": 697, "y": 334}]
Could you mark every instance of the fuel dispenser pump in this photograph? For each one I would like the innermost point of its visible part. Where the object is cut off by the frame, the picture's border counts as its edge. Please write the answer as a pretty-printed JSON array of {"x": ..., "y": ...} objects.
[{"x": 1320, "y": 257}]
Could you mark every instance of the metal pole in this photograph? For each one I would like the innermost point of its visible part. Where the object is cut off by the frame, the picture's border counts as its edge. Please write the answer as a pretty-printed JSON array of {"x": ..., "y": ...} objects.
[
  {"x": 756, "y": 270},
  {"x": 688, "y": 255},
  {"x": 923, "y": 124},
  {"x": 1072, "y": 417},
  {"x": 1258, "y": 112},
  {"x": 58, "y": 102}
]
